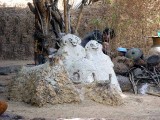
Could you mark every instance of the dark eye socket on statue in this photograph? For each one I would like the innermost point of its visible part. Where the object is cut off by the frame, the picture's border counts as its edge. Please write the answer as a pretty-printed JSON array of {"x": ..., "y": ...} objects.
[
  {"x": 76, "y": 38},
  {"x": 70, "y": 39},
  {"x": 91, "y": 45}
]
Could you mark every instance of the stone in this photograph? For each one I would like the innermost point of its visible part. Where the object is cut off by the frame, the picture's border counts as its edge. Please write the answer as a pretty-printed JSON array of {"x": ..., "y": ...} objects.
[
  {"x": 124, "y": 82},
  {"x": 122, "y": 64},
  {"x": 147, "y": 88},
  {"x": 10, "y": 116},
  {"x": 2, "y": 89},
  {"x": 3, "y": 107},
  {"x": 10, "y": 69}
]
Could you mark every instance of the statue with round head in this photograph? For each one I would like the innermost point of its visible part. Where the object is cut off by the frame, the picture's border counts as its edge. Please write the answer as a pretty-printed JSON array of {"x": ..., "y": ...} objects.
[
  {"x": 70, "y": 40},
  {"x": 91, "y": 49},
  {"x": 102, "y": 62},
  {"x": 92, "y": 45},
  {"x": 71, "y": 50}
]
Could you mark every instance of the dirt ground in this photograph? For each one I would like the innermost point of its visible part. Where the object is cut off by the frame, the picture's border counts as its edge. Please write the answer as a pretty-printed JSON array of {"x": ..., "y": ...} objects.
[{"x": 135, "y": 107}]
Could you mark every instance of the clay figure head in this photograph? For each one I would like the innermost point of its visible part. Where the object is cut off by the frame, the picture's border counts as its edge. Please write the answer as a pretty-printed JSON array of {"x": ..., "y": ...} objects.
[
  {"x": 92, "y": 45},
  {"x": 71, "y": 40}
]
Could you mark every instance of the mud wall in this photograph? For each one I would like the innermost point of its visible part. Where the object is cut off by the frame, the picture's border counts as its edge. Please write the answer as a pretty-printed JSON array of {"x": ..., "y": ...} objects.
[
  {"x": 16, "y": 33},
  {"x": 133, "y": 22}
]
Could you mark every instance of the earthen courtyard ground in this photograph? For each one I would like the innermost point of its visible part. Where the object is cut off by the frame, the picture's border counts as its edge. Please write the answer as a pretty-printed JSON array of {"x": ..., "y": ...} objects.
[{"x": 135, "y": 107}]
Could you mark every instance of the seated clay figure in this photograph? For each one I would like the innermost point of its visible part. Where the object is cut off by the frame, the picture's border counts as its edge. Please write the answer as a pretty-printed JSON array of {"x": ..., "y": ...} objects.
[
  {"x": 83, "y": 71},
  {"x": 71, "y": 50},
  {"x": 80, "y": 69},
  {"x": 102, "y": 62}
]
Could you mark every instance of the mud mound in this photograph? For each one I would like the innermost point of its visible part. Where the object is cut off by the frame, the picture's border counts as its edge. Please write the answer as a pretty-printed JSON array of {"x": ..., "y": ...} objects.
[
  {"x": 104, "y": 93},
  {"x": 43, "y": 84}
]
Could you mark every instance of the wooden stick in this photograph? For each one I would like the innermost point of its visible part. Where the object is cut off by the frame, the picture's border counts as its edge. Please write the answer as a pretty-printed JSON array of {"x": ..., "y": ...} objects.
[
  {"x": 65, "y": 16},
  {"x": 79, "y": 18},
  {"x": 154, "y": 94}
]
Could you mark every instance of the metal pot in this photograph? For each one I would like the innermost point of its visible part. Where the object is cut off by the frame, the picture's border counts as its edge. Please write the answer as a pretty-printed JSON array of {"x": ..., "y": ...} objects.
[
  {"x": 155, "y": 49},
  {"x": 134, "y": 53},
  {"x": 153, "y": 60}
]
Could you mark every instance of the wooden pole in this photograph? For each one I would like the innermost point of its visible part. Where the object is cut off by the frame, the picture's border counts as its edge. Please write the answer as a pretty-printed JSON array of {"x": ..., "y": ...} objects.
[
  {"x": 65, "y": 16},
  {"x": 68, "y": 15},
  {"x": 154, "y": 94},
  {"x": 79, "y": 18}
]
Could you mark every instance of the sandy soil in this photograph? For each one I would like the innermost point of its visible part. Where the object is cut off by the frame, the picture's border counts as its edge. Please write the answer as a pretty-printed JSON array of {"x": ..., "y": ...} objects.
[{"x": 135, "y": 107}]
